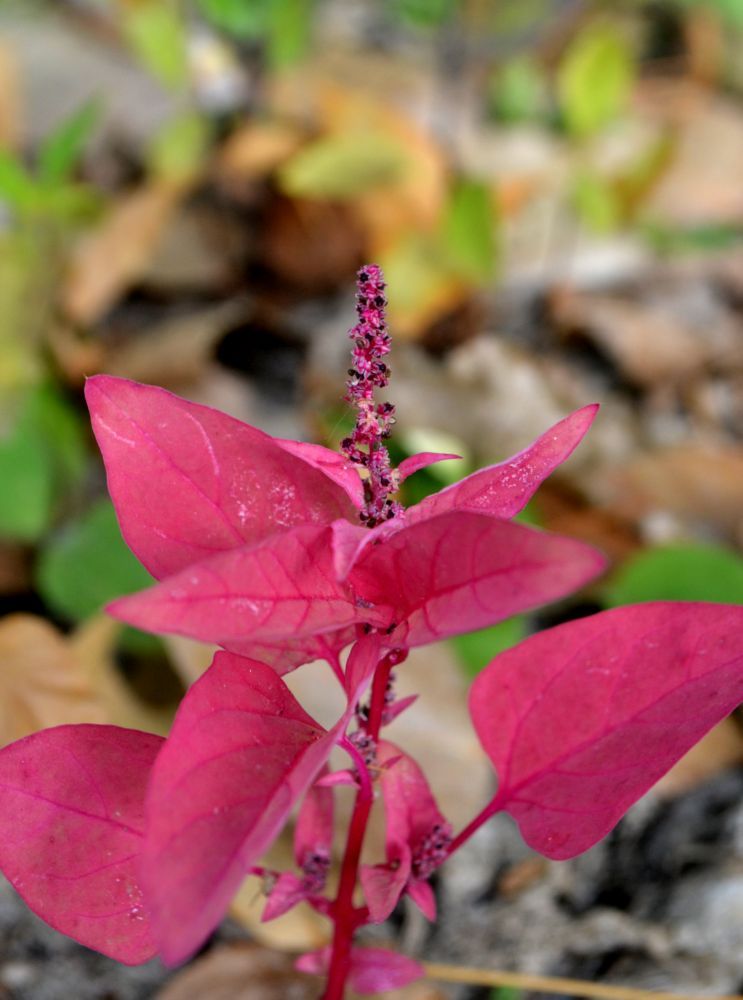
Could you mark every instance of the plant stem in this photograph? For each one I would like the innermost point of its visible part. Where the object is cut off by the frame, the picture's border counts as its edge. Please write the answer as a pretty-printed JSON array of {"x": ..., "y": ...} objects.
[
  {"x": 346, "y": 917},
  {"x": 474, "y": 825}
]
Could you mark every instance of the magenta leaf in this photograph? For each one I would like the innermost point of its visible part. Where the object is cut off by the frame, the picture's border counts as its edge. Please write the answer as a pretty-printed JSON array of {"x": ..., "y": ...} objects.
[
  {"x": 461, "y": 571},
  {"x": 417, "y": 836},
  {"x": 373, "y": 970},
  {"x": 71, "y": 825},
  {"x": 285, "y": 655},
  {"x": 377, "y": 970},
  {"x": 287, "y": 893},
  {"x": 283, "y": 587},
  {"x": 313, "y": 833},
  {"x": 242, "y": 751},
  {"x": 188, "y": 481},
  {"x": 421, "y": 461},
  {"x": 581, "y": 720},
  {"x": 503, "y": 490},
  {"x": 335, "y": 466}
]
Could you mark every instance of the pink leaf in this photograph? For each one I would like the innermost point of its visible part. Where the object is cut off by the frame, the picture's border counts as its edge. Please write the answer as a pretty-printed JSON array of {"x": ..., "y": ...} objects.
[
  {"x": 71, "y": 824},
  {"x": 281, "y": 588},
  {"x": 362, "y": 662},
  {"x": 313, "y": 833},
  {"x": 409, "y": 804},
  {"x": 284, "y": 655},
  {"x": 377, "y": 970},
  {"x": 373, "y": 970},
  {"x": 423, "y": 896},
  {"x": 335, "y": 466},
  {"x": 503, "y": 490},
  {"x": 383, "y": 885},
  {"x": 581, "y": 720},
  {"x": 417, "y": 835},
  {"x": 288, "y": 891},
  {"x": 461, "y": 571},
  {"x": 188, "y": 481},
  {"x": 421, "y": 461},
  {"x": 351, "y": 540},
  {"x": 242, "y": 751}
]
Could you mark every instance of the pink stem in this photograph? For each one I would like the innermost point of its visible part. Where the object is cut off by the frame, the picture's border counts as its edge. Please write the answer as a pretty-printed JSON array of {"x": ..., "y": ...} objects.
[
  {"x": 346, "y": 917},
  {"x": 494, "y": 806}
]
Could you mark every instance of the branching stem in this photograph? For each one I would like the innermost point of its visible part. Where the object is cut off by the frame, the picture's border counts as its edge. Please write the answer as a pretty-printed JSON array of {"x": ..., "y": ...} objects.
[{"x": 346, "y": 917}]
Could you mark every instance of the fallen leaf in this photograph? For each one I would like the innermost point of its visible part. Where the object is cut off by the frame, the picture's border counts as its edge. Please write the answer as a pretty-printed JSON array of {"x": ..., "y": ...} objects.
[
  {"x": 15, "y": 575},
  {"x": 311, "y": 244},
  {"x": 648, "y": 343},
  {"x": 176, "y": 350},
  {"x": 255, "y": 149},
  {"x": 110, "y": 258},
  {"x": 699, "y": 188},
  {"x": 241, "y": 972},
  {"x": 10, "y": 99},
  {"x": 43, "y": 681},
  {"x": 694, "y": 482}
]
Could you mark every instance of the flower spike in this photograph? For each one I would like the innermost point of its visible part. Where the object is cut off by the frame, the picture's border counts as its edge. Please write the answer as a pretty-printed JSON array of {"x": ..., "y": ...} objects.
[{"x": 365, "y": 447}]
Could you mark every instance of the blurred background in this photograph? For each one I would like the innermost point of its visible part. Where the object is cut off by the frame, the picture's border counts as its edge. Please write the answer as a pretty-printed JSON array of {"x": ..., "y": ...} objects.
[{"x": 554, "y": 189}]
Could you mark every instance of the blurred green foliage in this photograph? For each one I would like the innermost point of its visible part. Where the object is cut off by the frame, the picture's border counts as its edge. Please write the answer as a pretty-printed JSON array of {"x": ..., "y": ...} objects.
[{"x": 691, "y": 572}]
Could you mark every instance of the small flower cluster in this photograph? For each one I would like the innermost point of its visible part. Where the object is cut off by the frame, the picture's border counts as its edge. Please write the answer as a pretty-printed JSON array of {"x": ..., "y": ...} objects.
[
  {"x": 431, "y": 851},
  {"x": 374, "y": 421}
]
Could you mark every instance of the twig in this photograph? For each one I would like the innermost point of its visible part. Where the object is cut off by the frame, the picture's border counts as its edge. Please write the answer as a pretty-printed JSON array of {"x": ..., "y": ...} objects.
[{"x": 549, "y": 984}]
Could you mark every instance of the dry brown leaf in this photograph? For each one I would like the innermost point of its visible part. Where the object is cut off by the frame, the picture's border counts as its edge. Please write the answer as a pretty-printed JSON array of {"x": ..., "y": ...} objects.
[
  {"x": 700, "y": 188},
  {"x": 648, "y": 344},
  {"x": 44, "y": 683},
  {"x": 242, "y": 972},
  {"x": 15, "y": 575},
  {"x": 177, "y": 350},
  {"x": 250, "y": 972},
  {"x": 693, "y": 482},
  {"x": 92, "y": 647},
  {"x": 10, "y": 100},
  {"x": 255, "y": 149},
  {"x": 112, "y": 257},
  {"x": 416, "y": 200},
  {"x": 75, "y": 354},
  {"x": 311, "y": 244}
]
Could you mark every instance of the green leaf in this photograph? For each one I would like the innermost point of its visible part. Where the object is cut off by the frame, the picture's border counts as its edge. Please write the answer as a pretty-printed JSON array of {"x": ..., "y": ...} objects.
[
  {"x": 64, "y": 435},
  {"x": 27, "y": 483},
  {"x": 240, "y": 18},
  {"x": 596, "y": 202},
  {"x": 60, "y": 152},
  {"x": 87, "y": 564},
  {"x": 468, "y": 231},
  {"x": 505, "y": 993},
  {"x": 157, "y": 36},
  {"x": 423, "y": 13},
  {"x": 17, "y": 187},
  {"x": 180, "y": 146},
  {"x": 290, "y": 30},
  {"x": 595, "y": 79},
  {"x": 518, "y": 91},
  {"x": 678, "y": 573},
  {"x": 343, "y": 166},
  {"x": 42, "y": 457},
  {"x": 695, "y": 239},
  {"x": 476, "y": 649}
]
